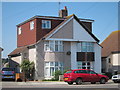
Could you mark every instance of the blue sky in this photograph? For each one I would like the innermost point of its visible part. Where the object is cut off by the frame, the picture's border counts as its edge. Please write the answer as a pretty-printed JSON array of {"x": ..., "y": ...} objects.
[{"x": 105, "y": 15}]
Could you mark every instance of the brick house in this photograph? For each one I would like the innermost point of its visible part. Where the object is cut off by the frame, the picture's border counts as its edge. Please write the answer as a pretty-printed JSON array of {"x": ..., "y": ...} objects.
[
  {"x": 111, "y": 52},
  {"x": 57, "y": 43}
]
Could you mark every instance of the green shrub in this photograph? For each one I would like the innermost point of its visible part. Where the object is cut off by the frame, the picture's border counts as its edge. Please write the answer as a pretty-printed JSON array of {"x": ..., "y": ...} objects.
[{"x": 56, "y": 75}]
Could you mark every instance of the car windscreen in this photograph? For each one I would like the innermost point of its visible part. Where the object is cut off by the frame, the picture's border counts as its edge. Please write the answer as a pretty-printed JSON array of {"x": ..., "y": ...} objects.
[
  {"x": 8, "y": 69},
  {"x": 68, "y": 71}
]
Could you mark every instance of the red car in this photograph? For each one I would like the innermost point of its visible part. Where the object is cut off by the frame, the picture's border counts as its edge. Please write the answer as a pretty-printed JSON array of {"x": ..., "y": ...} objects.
[{"x": 84, "y": 75}]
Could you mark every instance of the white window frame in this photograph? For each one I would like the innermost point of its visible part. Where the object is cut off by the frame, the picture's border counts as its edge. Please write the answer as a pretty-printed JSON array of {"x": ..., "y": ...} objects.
[
  {"x": 19, "y": 30},
  {"x": 50, "y": 46},
  {"x": 81, "y": 66},
  {"x": 31, "y": 25},
  {"x": 88, "y": 46},
  {"x": 46, "y": 24}
]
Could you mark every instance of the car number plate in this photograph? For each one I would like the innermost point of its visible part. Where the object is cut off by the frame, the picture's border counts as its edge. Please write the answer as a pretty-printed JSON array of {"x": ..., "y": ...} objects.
[
  {"x": 66, "y": 78},
  {"x": 7, "y": 76}
]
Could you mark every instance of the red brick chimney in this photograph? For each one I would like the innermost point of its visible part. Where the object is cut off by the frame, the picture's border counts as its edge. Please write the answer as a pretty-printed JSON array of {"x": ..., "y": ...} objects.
[{"x": 63, "y": 13}]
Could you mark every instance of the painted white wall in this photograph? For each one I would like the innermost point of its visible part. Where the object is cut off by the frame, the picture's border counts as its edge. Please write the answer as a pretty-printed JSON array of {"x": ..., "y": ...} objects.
[
  {"x": 17, "y": 59},
  {"x": 73, "y": 55},
  {"x": 32, "y": 55},
  {"x": 80, "y": 34},
  {"x": 78, "y": 47},
  {"x": 97, "y": 63},
  {"x": 115, "y": 59}
]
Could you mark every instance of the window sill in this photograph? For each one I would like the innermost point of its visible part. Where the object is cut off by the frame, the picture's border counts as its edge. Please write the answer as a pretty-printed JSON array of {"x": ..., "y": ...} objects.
[
  {"x": 54, "y": 51},
  {"x": 46, "y": 28}
]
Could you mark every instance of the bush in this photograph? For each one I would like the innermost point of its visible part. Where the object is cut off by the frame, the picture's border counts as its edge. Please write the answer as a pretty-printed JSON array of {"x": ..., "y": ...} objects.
[
  {"x": 27, "y": 67},
  {"x": 56, "y": 75}
]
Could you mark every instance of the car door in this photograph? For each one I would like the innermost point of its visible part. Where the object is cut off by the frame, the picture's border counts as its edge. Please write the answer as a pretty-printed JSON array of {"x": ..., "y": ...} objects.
[
  {"x": 84, "y": 75},
  {"x": 93, "y": 76}
]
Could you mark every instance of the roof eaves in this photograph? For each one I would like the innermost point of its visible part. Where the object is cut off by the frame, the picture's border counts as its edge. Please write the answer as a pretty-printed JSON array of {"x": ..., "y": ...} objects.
[{"x": 34, "y": 17}]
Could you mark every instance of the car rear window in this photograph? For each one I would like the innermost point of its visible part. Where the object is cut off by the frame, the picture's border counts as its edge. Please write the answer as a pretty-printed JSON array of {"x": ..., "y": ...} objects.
[
  {"x": 69, "y": 72},
  {"x": 8, "y": 69}
]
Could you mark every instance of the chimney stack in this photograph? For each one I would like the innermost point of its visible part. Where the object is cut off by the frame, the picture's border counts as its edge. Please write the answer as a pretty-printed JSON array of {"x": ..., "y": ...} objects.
[{"x": 63, "y": 13}]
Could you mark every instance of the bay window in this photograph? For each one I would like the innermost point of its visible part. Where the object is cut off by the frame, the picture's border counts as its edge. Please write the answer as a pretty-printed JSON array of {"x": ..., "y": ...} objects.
[{"x": 51, "y": 67}]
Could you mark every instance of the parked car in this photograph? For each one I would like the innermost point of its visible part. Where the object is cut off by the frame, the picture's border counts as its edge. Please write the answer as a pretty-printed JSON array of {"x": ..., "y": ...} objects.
[
  {"x": 116, "y": 78},
  {"x": 8, "y": 73},
  {"x": 84, "y": 75}
]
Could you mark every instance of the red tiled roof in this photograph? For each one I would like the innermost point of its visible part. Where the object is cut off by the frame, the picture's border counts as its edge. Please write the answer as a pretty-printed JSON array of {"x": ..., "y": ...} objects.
[
  {"x": 111, "y": 44},
  {"x": 17, "y": 51}
]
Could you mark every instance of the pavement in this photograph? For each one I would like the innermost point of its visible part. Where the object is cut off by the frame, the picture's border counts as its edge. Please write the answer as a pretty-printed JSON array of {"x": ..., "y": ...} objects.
[{"x": 56, "y": 84}]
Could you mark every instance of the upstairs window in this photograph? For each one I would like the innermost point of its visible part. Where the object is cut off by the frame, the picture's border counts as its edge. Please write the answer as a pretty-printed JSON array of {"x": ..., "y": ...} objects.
[
  {"x": 46, "y": 24},
  {"x": 32, "y": 25},
  {"x": 19, "y": 30},
  {"x": 56, "y": 46},
  {"x": 87, "y": 47}
]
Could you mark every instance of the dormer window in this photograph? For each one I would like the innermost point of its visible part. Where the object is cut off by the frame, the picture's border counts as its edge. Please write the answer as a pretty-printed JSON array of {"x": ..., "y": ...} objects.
[
  {"x": 46, "y": 24},
  {"x": 19, "y": 30},
  {"x": 32, "y": 25}
]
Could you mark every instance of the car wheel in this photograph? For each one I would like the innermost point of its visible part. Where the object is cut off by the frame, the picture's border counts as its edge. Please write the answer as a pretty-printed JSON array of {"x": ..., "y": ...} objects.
[
  {"x": 79, "y": 81},
  {"x": 70, "y": 83},
  {"x": 93, "y": 82},
  {"x": 102, "y": 81}
]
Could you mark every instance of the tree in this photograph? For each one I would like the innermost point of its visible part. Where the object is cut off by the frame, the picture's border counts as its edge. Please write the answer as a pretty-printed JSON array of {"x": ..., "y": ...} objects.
[{"x": 27, "y": 67}]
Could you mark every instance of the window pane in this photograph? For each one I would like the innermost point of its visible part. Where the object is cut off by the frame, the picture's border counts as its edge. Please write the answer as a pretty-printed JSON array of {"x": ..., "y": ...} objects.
[
  {"x": 84, "y": 49},
  {"x": 51, "y": 63},
  {"x": 56, "y": 48},
  {"x": 19, "y": 30},
  {"x": 79, "y": 63},
  {"x": 46, "y": 24},
  {"x": 87, "y": 47},
  {"x": 60, "y": 64},
  {"x": 56, "y": 42},
  {"x": 47, "y": 70},
  {"x": 46, "y": 63},
  {"x": 56, "y": 68},
  {"x": 51, "y": 71},
  {"x": 31, "y": 25},
  {"x": 60, "y": 48},
  {"x": 56, "y": 63},
  {"x": 51, "y": 45},
  {"x": 46, "y": 46}
]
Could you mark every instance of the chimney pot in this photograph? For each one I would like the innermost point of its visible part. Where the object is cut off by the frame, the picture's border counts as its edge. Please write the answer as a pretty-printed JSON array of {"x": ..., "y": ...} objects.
[
  {"x": 63, "y": 13},
  {"x": 65, "y": 8}
]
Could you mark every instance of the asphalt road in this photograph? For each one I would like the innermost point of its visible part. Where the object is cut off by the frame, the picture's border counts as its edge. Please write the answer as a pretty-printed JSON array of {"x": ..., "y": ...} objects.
[{"x": 34, "y": 84}]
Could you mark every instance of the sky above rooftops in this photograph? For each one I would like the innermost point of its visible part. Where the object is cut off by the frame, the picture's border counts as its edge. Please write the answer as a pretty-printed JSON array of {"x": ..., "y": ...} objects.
[{"x": 105, "y": 15}]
